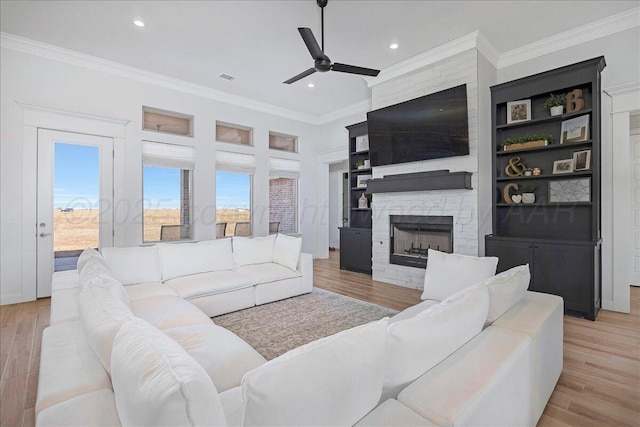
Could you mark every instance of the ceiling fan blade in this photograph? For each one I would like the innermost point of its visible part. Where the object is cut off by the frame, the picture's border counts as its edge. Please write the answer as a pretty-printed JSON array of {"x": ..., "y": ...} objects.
[
  {"x": 302, "y": 75},
  {"x": 344, "y": 68},
  {"x": 312, "y": 43}
]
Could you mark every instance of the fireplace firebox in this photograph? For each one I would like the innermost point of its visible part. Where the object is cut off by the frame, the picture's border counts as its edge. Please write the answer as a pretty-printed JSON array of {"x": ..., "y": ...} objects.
[{"x": 413, "y": 235}]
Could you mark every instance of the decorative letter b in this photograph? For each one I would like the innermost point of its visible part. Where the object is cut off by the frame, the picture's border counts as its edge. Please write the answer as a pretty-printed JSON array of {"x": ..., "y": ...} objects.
[{"x": 575, "y": 101}]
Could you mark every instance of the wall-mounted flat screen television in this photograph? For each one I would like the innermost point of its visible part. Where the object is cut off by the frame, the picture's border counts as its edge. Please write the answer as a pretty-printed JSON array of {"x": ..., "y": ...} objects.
[{"x": 429, "y": 127}]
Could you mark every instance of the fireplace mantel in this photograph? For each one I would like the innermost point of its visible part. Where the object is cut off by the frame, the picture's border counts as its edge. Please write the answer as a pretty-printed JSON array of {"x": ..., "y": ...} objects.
[{"x": 421, "y": 181}]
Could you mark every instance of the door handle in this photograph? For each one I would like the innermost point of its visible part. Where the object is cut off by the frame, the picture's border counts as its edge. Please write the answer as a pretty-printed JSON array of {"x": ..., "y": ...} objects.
[{"x": 45, "y": 234}]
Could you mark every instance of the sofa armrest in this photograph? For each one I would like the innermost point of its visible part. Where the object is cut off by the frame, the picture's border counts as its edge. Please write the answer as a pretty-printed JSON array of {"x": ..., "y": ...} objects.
[{"x": 305, "y": 266}]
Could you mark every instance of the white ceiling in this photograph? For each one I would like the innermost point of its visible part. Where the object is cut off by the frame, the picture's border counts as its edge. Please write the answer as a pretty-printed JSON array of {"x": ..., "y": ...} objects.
[{"x": 258, "y": 43}]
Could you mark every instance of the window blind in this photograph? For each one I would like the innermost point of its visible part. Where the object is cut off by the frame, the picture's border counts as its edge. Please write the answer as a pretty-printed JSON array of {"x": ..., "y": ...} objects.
[{"x": 168, "y": 155}]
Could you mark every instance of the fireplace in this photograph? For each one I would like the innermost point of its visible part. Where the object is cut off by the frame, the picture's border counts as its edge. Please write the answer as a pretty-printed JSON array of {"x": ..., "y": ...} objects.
[{"x": 413, "y": 235}]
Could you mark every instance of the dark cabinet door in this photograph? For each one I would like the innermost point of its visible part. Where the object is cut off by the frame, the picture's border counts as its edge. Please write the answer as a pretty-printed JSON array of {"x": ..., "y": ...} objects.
[
  {"x": 511, "y": 254},
  {"x": 565, "y": 270},
  {"x": 355, "y": 249}
]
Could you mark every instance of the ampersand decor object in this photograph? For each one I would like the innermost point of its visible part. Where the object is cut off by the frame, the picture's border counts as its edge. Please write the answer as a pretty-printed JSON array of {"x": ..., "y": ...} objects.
[
  {"x": 575, "y": 101},
  {"x": 505, "y": 192},
  {"x": 515, "y": 167}
]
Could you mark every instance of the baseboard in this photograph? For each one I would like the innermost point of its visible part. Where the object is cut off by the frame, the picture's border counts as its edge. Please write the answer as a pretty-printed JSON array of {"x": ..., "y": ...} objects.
[{"x": 11, "y": 299}]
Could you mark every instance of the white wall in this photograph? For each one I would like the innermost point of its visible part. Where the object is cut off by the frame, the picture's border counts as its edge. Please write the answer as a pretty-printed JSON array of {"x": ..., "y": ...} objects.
[
  {"x": 34, "y": 79},
  {"x": 622, "y": 55}
]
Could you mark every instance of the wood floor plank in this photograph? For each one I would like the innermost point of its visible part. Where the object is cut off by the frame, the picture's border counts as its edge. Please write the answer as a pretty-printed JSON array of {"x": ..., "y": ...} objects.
[{"x": 12, "y": 393}]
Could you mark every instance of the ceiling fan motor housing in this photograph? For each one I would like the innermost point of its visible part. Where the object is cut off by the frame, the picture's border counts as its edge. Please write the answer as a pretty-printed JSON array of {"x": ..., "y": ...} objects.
[{"x": 323, "y": 64}]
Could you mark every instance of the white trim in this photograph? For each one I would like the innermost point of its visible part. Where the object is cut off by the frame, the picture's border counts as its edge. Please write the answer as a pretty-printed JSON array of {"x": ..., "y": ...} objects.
[
  {"x": 487, "y": 50},
  {"x": 56, "y": 53},
  {"x": 567, "y": 39},
  {"x": 360, "y": 107},
  {"x": 626, "y": 97}
]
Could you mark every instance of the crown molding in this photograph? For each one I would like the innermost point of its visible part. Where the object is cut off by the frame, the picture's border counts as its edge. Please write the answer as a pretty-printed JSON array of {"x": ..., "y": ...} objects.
[
  {"x": 595, "y": 30},
  {"x": 32, "y": 47},
  {"x": 360, "y": 107},
  {"x": 625, "y": 97},
  {"x": 70, "y": 112},
  {"x": 623, "y": 89}
]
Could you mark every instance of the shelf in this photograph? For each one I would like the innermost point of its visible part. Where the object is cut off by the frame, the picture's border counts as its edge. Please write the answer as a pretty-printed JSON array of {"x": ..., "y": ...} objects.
[
  {"x": 360, "y": 209},
  {"x": 355, "y": 153},
  {"x": 360, "y": 170},
  {"x": 543, "y": 148},
  {"x": 359, "y": 188},
  {"x": 548, "y": 119},
  {"x": 565, "y": 204},
  {"x": 533, "y": 177}
]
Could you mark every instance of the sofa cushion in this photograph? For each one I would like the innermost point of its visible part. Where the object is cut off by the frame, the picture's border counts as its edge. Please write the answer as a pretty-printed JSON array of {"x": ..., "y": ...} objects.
[
  {"x": 223, "y": 355},
  {"x": 286, "y": 250},
  {"x": 267, "y": 272},
  {"x": 149, "y": 290},
  {"x": 232, "y": 405},
  {"x": 86, "y": 255},
  {"x": 410, "y": 312},
  {"x": 331, "y": 381},
  {"x": 157, "y": 383},
  {"x": 487, "y": 382},
  {"x": 166, "y": 312},
  {"x": 96, "y": 408},
  {"x": 102, "y": 315},
  {"x": 93, "y": 270},
  {"x": 393, "y": 413},
  {"x": 183, "y": 259},
  {"x": 64, "y": 306},
  {"x": 447, "y": 274},
  {"x": 68, "y": 366},
  {"x": 133, "y": 265},
  {"x": 67, "y": 279},
  {"x": 418, "y": 344},
  {"x": 93, "y": 275},
  {"x": 506, "y": 289},
  {"x": 256, "y": 250},
  {"x": 211, "y": 283}
]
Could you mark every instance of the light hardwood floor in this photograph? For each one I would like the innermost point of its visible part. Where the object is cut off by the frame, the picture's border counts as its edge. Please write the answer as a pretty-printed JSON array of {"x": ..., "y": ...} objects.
[{"x": 599, "y": 386}]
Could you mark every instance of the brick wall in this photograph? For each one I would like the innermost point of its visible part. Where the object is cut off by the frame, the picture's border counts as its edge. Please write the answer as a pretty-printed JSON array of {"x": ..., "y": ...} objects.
[
  {"x": 282, "y": 203},
  {"x": 461, "y": 204}
]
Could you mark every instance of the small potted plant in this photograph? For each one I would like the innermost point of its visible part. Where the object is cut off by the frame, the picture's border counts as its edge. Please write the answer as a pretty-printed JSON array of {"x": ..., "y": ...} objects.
[
  {"x": 526, "y": 141},
  {"x": 555, "y": 104},
  {"x": 360, "y": 164},
  {"x": 528, "y": 196},
  {"x": 528, "y": 172}
]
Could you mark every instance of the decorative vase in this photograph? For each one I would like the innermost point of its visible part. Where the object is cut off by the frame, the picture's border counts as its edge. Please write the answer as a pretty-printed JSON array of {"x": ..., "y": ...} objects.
[
  {"x": 528, "y": 173},
  {"x": 557, "y": 110},
  {"x": 528, "y": 197},
  {"x": 363, "y": 202}
]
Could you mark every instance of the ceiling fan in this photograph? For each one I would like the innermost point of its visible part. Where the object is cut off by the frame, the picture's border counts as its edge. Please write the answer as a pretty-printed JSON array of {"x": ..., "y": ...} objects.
[{"x": 322, "y": 61}]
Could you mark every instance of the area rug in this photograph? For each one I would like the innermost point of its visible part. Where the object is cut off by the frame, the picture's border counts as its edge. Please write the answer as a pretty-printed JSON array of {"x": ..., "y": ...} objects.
[{"x": 275, "y": 328}]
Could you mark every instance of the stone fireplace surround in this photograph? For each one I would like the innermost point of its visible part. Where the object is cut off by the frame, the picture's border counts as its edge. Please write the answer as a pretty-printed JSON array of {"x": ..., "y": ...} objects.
[{"x": 413, "y": 235}]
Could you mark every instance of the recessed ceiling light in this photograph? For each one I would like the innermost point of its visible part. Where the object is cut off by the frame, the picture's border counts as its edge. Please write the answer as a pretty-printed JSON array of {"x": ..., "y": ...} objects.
[
  {"x": 138, "y": 23},
  {"x": 311, "y": 85},
  {"x": 393, "y": 46}
]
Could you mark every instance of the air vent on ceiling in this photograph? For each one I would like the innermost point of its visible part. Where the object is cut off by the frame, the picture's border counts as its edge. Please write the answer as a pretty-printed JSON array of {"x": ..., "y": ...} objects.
[{"x": 226, "y": 77}]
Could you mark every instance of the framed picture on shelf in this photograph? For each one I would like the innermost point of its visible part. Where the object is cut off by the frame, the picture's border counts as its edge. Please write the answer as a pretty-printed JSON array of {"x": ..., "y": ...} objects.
[
  {"x": 563, "y": 166},
  {"x": 581, "y": 160},
  {"x": 362, "y": 143},
  {"x": 519, "y": 111},
  {"x": 575, "y": 130},
  {"x": 570, "y": 191},
  {"x": 362, "y": 180}
]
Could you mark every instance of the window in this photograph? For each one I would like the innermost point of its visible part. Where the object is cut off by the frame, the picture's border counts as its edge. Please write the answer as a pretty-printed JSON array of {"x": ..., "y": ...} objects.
[
  {"x": 279, "y": 141},
  {"x": 283, "y": 195},
  {"x": 234, "y": 134},
  {"x": 234, "y": 174},
  {"x": 233, "y": 203},
  {"x": 167, "y": 191},
  {"x": 163, "y": 121}
]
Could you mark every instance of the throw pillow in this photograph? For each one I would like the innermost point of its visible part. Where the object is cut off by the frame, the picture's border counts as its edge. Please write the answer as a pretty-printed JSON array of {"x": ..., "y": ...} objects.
[
  {"x": 183, "y": 259},
  {"x": 102, "y": 316},
  {"x": 256, "y": 250},
  {"x": 447, "y": 274},
  {"x": 286, "y": 251},
  {"x": 86, "y": 255},
  {"x": 330, "y": 382},
  {"x": 134, "y": 265},
  {"x": 156, "y": 382},
  {"x": 419, "y": 343},
  {"x": 506, "y": 289}
]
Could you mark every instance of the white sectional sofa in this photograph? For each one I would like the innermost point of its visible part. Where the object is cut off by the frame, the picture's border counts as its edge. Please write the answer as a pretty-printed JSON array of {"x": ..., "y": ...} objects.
[{"x": 489, "y": 354}]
